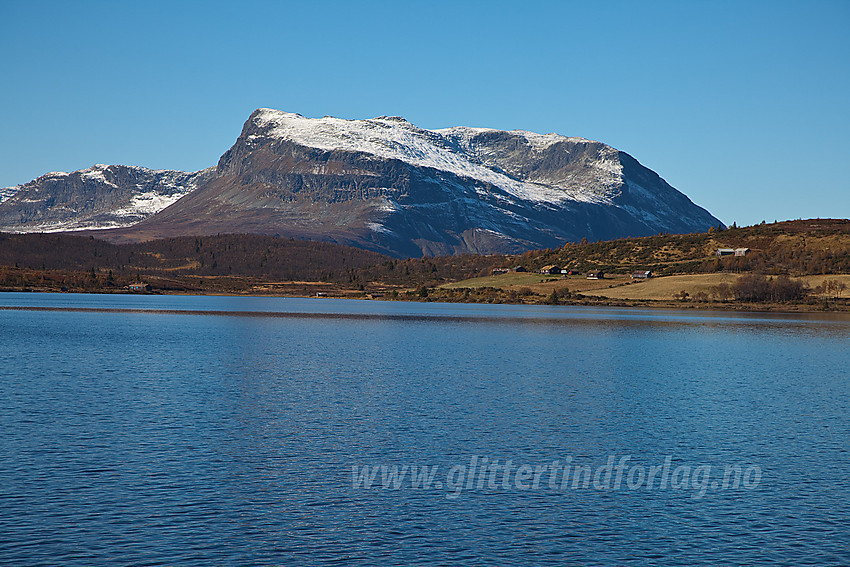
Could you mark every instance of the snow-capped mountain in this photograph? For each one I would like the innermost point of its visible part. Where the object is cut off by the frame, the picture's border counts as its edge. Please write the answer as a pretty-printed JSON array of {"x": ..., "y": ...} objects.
[
  {"x": 453, "y": 150},
  {"x": 387, "y": 185},
  {"x": 100, "y": 197}
]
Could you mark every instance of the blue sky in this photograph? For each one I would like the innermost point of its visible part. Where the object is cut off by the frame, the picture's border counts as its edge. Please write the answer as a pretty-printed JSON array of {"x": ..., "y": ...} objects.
[{"x": 743, "y": 106}]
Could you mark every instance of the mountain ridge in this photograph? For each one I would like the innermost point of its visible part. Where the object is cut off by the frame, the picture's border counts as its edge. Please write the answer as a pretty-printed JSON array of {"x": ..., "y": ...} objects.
[
  {"x": 98, "y": 197},
  {"x": 383, "y": 184}
]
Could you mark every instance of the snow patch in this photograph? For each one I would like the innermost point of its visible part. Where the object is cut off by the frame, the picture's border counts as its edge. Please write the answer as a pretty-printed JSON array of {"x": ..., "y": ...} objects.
[
  {"x": 69, "y": 226},
  {"x": 387, "y": 206},
  {"x": 95, "y": 173},
  {"x": 538, "y": 142},
  {"x": 148, "y": 203},
  {"x": 495, "y": 233},
  {"x": 378, "y": 227},
  {"x": 7, "y": 193},
  {"x": 645, "y": 216}
]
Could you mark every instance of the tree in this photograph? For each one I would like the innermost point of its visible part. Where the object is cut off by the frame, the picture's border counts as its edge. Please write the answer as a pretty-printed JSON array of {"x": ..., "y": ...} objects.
[
  {"x": 756, "y": 287},
  {"x": 831, "y": 286},
  {"x": 784, "y": 288}
]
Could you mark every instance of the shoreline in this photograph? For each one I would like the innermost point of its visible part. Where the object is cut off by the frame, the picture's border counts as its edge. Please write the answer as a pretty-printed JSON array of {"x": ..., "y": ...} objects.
[{"x": 832, "y": 306}]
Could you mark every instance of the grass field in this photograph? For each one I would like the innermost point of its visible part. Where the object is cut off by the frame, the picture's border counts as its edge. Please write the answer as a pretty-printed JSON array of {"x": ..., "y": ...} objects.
[
  {"x": 504, "y": 281},
  {"x": 543, "y": 284},
  {"x": 665, "y": 288},
  {"x": 814, "y": 281},
  {"x": 622, "y": 287}
]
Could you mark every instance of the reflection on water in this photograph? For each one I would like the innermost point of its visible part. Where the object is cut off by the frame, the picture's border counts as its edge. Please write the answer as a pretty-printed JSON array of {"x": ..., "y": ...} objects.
[{"x": 210, "y": 430}]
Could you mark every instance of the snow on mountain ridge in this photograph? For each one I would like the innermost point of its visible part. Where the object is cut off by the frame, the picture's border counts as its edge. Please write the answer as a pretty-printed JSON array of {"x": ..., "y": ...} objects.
[
  {"x": 537, "y": 141},
  {"x": 7, "y": 193},
  {"x": 95, "y": 173},
  {"x": 396, "y": 138},
  {"x": 66, "y": 227}
]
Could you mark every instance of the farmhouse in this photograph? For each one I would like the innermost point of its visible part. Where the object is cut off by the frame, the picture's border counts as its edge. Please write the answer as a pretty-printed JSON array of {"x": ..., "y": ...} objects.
[
  {"x": 641, "y": 275},
  {"x": 595, "y": 275},
  {"x": 725, "y": 251},
  {"x": 550, "y": 270},
  {"x": 742, "y": 251}
]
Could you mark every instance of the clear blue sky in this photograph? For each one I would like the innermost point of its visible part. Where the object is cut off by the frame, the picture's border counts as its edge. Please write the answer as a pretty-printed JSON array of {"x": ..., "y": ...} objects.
[{"x": 743, "y": 106}]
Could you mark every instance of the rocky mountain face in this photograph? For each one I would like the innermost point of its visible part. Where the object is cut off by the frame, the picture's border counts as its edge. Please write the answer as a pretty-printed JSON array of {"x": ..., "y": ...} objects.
[
  {"x": 386, "y": 185},
  {"x": 99, "y": 197}
]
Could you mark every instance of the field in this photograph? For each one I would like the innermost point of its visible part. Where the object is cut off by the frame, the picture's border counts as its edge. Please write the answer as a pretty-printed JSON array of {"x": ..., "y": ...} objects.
[
  {"x": 622, "y": 287},
  {"x": 666, "y": 288},
  {"x": 543, "y": 284},
  {"x": 505, "y": 281}
]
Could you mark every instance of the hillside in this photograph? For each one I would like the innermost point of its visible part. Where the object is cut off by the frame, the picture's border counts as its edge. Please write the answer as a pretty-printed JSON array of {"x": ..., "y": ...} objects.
[
  {"x": 260, "y": 258},
  {"x": 802, "y": 247},
  {"x": 813, "y": 252}
]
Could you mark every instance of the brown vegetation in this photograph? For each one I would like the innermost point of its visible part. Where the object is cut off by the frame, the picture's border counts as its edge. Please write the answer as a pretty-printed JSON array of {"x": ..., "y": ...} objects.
[
  {"x": 792, "y": 247},
  {"x": 758, "y": 288}
]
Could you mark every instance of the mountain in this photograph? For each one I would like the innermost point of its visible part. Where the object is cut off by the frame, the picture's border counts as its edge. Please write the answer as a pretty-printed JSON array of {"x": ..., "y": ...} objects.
[
  {"x": 386, "y": 185},
  {"x": 99, "y": 197}
]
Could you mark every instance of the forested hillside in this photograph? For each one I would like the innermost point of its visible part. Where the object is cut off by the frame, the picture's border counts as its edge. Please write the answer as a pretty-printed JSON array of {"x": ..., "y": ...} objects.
[
  {"x": 794, "y": 248},
  {"x": 819, "y": 246}
]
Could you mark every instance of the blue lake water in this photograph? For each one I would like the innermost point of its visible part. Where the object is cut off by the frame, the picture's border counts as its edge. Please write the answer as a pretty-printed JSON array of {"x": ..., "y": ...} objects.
[{"x": 167, "y": 430}]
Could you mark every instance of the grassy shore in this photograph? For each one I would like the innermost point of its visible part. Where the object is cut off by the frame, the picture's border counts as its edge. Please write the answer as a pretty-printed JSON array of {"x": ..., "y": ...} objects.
[
  {"x": 619, "y": 286},
  {"x": 691, "y": 291}
]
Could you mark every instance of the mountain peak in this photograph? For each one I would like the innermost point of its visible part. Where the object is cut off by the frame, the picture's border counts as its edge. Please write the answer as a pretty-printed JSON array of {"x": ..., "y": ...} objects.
[{"x": 381, "y": 183}]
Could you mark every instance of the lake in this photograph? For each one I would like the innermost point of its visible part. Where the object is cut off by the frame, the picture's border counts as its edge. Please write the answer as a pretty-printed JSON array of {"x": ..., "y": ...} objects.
[{"x": 177, "y": 430}]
